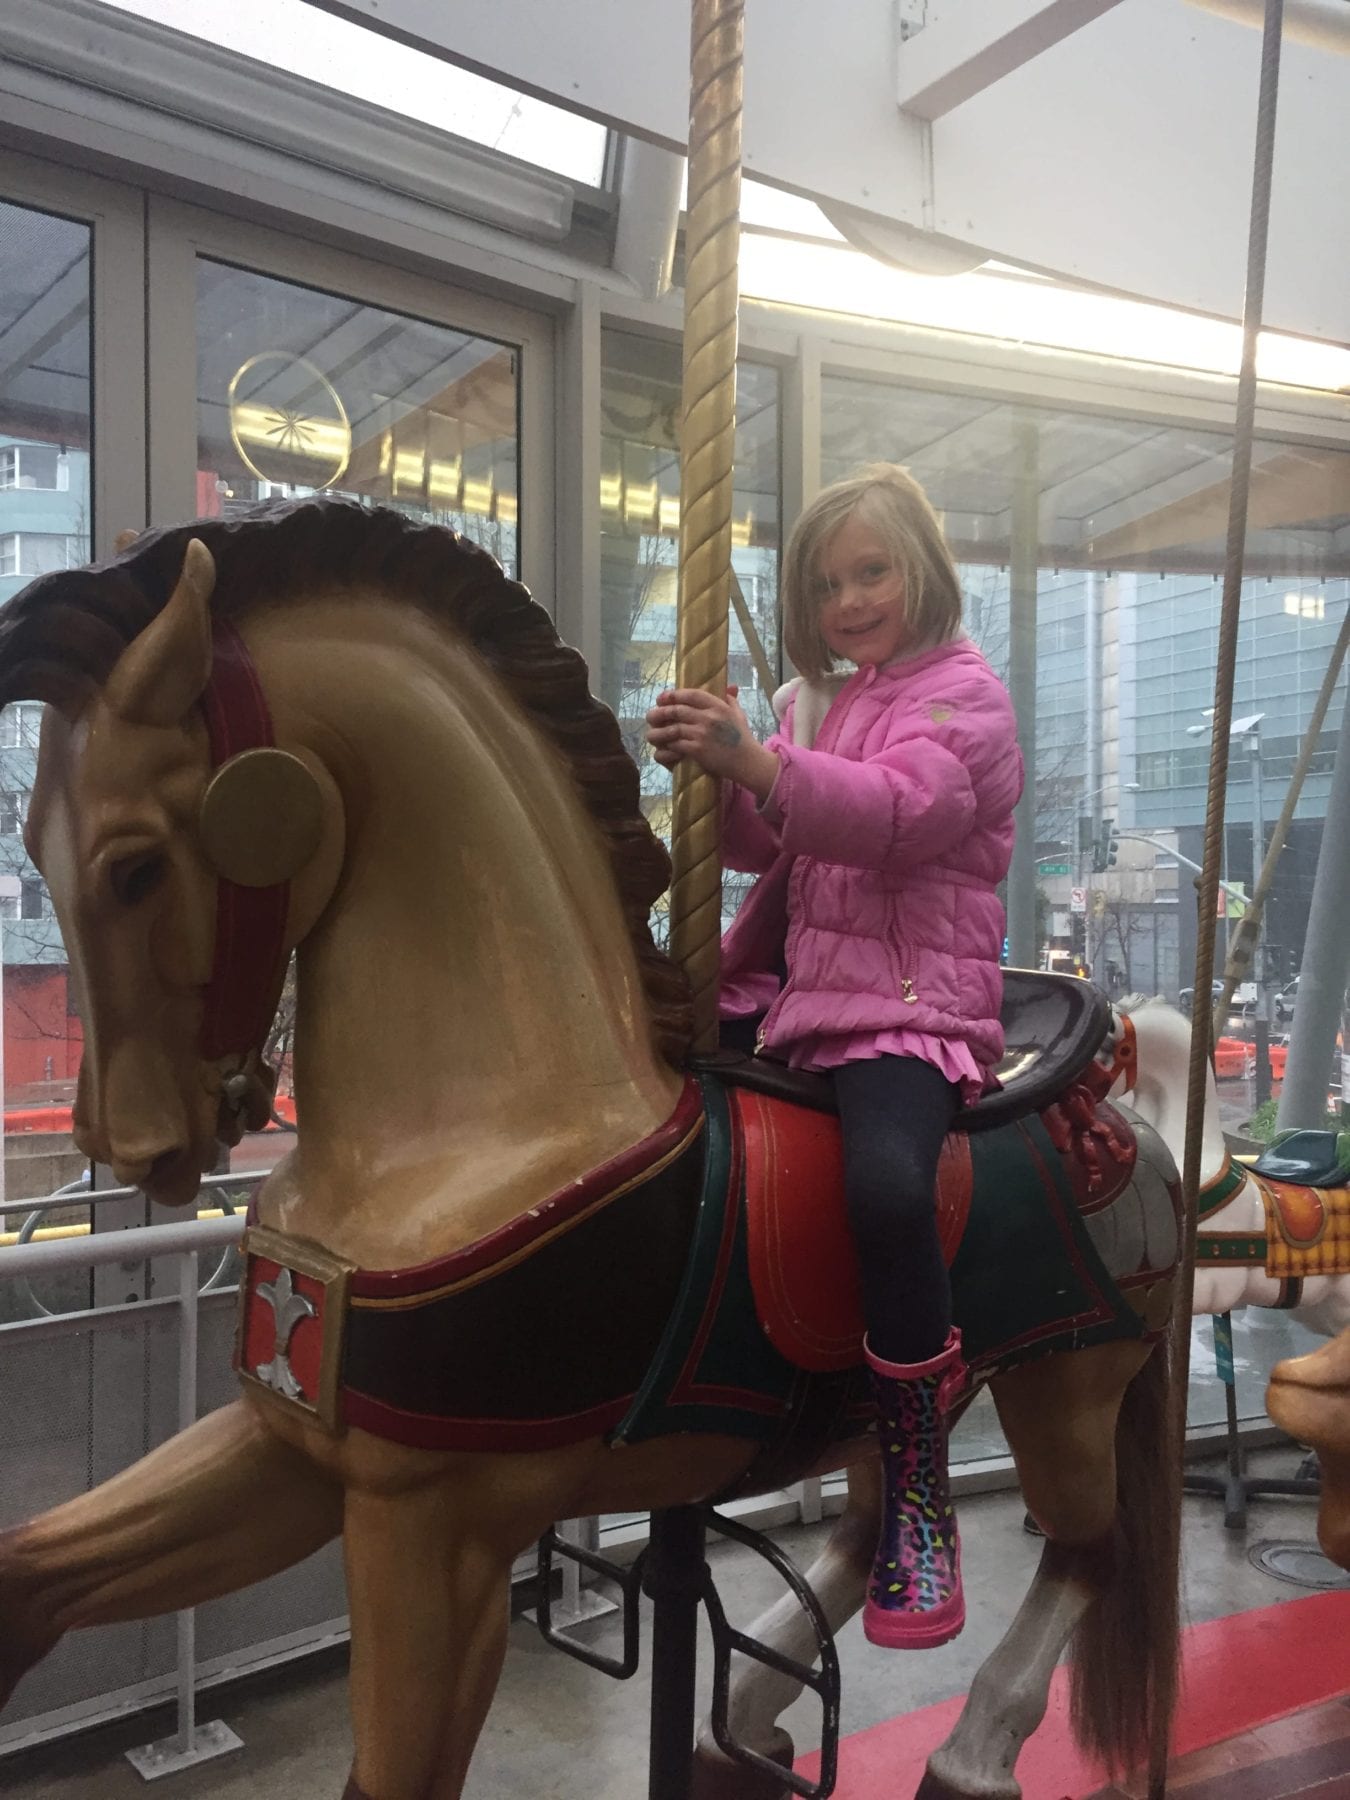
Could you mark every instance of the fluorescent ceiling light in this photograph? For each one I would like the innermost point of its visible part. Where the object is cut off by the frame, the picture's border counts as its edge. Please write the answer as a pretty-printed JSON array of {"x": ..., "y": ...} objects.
[
  {"x": 1012, "y": 309},
  {"x": 773, "y": 210},
  {"x": 287, "y": 34}
]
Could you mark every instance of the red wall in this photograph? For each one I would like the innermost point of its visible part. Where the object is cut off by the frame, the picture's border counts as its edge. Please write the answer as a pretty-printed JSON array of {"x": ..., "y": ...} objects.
[{"x": 43, "y": 1039}]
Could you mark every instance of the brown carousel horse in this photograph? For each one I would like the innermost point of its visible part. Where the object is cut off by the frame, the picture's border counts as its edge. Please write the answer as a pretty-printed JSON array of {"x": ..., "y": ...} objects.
[
  {"x": 1309, "y": 1397},
  {"x": 523, "y": 1265}
]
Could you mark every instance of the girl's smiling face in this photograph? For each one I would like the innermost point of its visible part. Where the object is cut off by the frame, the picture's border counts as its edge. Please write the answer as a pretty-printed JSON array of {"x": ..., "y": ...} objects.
[{"x": 863, "y": 613}]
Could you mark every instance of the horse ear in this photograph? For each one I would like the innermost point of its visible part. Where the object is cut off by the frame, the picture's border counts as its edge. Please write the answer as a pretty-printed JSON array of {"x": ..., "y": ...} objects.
[
  {"x": 261, "y": 818},
  {"x": 162, "y": 674}
]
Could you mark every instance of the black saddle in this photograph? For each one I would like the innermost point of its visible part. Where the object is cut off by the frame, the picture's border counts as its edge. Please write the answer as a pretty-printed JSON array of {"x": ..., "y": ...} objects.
[
  {"x": 1310, "y": 1158},
  {"x": 1053, "y": 1026}
]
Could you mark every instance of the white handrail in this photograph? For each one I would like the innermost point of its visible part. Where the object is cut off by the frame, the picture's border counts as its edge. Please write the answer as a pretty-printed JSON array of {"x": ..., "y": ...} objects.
[{"x": 137, "y": 1244}]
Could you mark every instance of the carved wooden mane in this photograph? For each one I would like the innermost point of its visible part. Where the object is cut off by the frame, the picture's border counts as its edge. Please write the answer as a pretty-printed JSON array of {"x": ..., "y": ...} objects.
[{"x": 61, "y": 636}]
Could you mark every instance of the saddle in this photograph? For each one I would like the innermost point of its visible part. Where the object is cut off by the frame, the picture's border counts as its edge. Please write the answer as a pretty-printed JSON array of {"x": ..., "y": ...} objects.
[{"x": 1053, "y": 1027}]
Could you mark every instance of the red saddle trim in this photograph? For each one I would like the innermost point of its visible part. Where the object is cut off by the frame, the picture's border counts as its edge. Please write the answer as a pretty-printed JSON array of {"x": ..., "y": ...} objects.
[
  {"x": 523, "y": 1235},
  {"x": 803, "y": 1266}
]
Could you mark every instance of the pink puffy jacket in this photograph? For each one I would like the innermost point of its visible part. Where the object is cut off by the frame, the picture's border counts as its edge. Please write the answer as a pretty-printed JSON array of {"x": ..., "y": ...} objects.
[{"x": 879, "y": 855}]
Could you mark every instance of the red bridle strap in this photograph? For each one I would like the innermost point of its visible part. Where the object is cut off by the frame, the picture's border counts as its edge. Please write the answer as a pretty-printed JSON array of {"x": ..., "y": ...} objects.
[{"x": 250, "y": 944}]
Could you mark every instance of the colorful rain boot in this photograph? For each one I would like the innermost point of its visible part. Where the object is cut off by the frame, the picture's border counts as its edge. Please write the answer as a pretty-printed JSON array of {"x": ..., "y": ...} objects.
[{"x": 914, "y": 1599}]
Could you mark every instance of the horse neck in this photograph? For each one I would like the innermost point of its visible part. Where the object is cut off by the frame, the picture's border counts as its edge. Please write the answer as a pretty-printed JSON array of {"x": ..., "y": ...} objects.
[
  {"x": 469, "y": 1006},
  {"x": 1163, "y": 1038}
]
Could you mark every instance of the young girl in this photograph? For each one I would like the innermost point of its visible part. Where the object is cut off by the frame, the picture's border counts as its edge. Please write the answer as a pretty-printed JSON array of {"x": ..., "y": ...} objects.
[{"x": 879, "y": 820}]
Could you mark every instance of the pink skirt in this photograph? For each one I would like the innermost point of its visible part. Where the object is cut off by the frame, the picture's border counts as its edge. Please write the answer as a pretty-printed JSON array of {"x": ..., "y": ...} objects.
[{"x": 951, "y": 1056}]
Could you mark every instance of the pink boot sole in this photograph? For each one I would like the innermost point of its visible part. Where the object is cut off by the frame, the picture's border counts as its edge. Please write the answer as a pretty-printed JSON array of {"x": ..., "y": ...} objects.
[{"x": 914, "y": 1631}]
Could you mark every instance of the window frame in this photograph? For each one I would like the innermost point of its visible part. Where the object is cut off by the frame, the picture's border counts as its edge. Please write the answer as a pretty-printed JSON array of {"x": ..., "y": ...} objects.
[{"x": 179, "y": 235}]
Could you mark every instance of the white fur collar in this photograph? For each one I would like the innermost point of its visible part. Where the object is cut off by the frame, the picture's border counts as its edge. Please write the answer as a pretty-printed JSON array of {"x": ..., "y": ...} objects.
[{"x": 814, "y": 699}]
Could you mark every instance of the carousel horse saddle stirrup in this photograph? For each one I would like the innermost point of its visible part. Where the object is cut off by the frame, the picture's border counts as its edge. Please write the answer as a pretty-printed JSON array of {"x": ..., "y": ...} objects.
[
  {"x": 727, "y": 1641},
  {"x": 1053, "y": 1026},
  {"x": 1311, "y": 1158},
  {"x": 824, "y": 1682},
  {"x": 554, "y": 1548}
]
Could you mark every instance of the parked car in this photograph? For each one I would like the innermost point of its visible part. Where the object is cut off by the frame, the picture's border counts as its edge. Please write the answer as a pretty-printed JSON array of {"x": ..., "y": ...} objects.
[
  {"x": 1243, "y": 1001},
  {"x": 1186, "y": 998}
]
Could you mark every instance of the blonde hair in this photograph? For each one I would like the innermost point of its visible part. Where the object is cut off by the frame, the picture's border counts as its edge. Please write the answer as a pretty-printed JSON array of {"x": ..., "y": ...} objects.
[{"x": 889, "y": 499}]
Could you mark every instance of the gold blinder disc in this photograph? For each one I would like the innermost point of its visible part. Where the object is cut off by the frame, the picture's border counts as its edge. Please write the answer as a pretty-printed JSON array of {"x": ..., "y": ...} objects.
[{"x": 261, "y": 818}]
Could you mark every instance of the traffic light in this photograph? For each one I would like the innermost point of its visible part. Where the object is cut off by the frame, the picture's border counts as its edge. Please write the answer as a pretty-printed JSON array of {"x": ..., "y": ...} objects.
[{"x": 1105, "y": 847}]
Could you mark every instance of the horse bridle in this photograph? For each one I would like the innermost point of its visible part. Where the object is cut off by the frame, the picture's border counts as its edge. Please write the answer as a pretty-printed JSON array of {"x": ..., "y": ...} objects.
[{"x": 261, "y": 820}]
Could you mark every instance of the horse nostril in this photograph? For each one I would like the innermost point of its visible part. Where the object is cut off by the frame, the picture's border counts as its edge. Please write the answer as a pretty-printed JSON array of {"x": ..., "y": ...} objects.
[{"x": 161, "y": 1166}]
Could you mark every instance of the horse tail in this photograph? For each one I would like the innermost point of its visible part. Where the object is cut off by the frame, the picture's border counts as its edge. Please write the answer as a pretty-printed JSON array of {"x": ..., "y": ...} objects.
[{"x": 1126, "y": 1646}]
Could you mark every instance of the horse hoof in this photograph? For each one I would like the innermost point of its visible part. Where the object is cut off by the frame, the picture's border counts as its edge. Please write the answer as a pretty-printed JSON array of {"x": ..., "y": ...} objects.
[
  {"x": 24, "y": 1639},
  {"x": 933, "y": 1787},
  {"x": 720, "y": 1777}
]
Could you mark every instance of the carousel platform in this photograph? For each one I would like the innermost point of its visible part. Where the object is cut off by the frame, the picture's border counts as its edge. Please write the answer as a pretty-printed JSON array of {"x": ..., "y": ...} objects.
[
  {"x": 1264, "y": 1715},
  {"x": 1303, "y": 1757}
]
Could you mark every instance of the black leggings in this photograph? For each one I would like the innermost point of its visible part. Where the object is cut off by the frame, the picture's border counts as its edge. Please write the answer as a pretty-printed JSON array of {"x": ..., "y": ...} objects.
[{"x": 895, "y": 1112}]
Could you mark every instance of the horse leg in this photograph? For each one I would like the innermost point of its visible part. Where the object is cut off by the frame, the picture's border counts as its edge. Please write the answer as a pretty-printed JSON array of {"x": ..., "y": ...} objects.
[
  {"x": 221, "y": 1505},
  {"x": 1060, "y": 1417},
  {"x": 759, "y": 1695},
  {"x": 428, "y": 1584}
]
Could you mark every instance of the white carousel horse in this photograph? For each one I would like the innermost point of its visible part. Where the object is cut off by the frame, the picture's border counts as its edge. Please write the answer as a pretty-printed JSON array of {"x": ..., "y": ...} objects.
[{"x": 1236, "y": 1216}]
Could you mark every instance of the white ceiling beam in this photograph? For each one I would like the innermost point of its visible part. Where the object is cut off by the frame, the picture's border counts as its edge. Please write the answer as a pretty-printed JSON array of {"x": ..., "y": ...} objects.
[{"x": 970, "y": 45}]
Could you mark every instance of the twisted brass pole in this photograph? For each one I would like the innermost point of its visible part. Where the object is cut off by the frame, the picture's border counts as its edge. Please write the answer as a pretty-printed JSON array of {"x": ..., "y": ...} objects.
[{"x": 707, "y": 442}]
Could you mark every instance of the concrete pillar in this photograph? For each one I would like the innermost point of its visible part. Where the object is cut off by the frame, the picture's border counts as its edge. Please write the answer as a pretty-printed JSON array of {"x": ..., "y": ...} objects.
[
  {"x": 1326, "y": 959},
  {"x": 1023, "y": 566}
]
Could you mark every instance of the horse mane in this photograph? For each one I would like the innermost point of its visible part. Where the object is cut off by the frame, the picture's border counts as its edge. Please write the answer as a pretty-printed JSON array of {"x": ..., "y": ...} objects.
[{"x": 61, "y": 636}]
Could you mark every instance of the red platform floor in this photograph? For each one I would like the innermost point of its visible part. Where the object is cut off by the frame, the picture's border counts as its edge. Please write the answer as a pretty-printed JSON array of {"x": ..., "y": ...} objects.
[{"x": 1264, "y": 1715}]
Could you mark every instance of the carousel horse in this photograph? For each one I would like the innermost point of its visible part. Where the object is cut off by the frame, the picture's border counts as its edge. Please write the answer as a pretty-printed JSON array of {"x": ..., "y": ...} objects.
[
  {"x": 1275, "y": 1232},
  {"x": 1309, "y": 1397},
  {"x": 524, "y": 1262}
]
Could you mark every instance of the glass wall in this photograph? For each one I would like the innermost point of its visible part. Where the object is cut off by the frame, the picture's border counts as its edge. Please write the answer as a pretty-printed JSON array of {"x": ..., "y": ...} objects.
[
  {"x": 640, "y": 526},
  {"x": 302, "y": 392},
  {"x": 1128, "y": 520},
  {"x": 45, "y": 523}
]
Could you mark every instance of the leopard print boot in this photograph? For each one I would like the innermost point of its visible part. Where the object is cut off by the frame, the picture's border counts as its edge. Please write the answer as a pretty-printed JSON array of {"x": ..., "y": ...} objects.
[{"x": 914, "y": 1599}]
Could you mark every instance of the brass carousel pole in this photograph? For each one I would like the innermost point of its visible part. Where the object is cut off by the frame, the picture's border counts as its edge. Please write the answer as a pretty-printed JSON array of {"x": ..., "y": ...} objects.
[
  {"x": 1243, "y": 432},
  {"x": 677, "y": 1573},
  {"x": 707, "y": 441}
]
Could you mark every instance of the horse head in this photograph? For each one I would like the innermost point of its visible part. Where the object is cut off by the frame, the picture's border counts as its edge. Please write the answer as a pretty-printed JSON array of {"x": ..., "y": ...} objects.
[
  {"x": 149, "y": 840},
  {"x": 334, "y": 730}
]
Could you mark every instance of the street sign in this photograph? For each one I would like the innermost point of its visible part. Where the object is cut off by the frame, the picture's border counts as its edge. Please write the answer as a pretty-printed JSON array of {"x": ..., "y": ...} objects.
[
  {"x": 1078, "y": 900},
  {"x": 1099, "y": 903},
  {"x": 1053, "y": 868}
]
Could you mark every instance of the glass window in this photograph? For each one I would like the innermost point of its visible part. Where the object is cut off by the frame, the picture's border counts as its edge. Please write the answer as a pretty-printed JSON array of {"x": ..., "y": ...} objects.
[
  {"x": 639, "y": 527},
  {"x": 301, "y": 392},
  {"x": 31, "y": 553},
  {"x": 33, "y": 466},
  {"x": 1126, "y": 521},
  {"x": 45, "y": 523}
]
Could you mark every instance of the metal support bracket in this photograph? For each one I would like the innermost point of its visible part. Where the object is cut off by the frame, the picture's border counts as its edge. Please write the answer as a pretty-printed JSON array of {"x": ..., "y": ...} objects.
[
  {"x": 171, "y": 1754},
  {"x": 824, "y": 1683},
  {"x": 727, "y": 1642},
  {"x": 553, "y": 1547}
]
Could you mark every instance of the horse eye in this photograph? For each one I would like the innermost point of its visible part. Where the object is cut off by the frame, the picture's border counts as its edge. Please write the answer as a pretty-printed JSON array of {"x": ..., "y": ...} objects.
[{"x": 134, "y": 878}]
